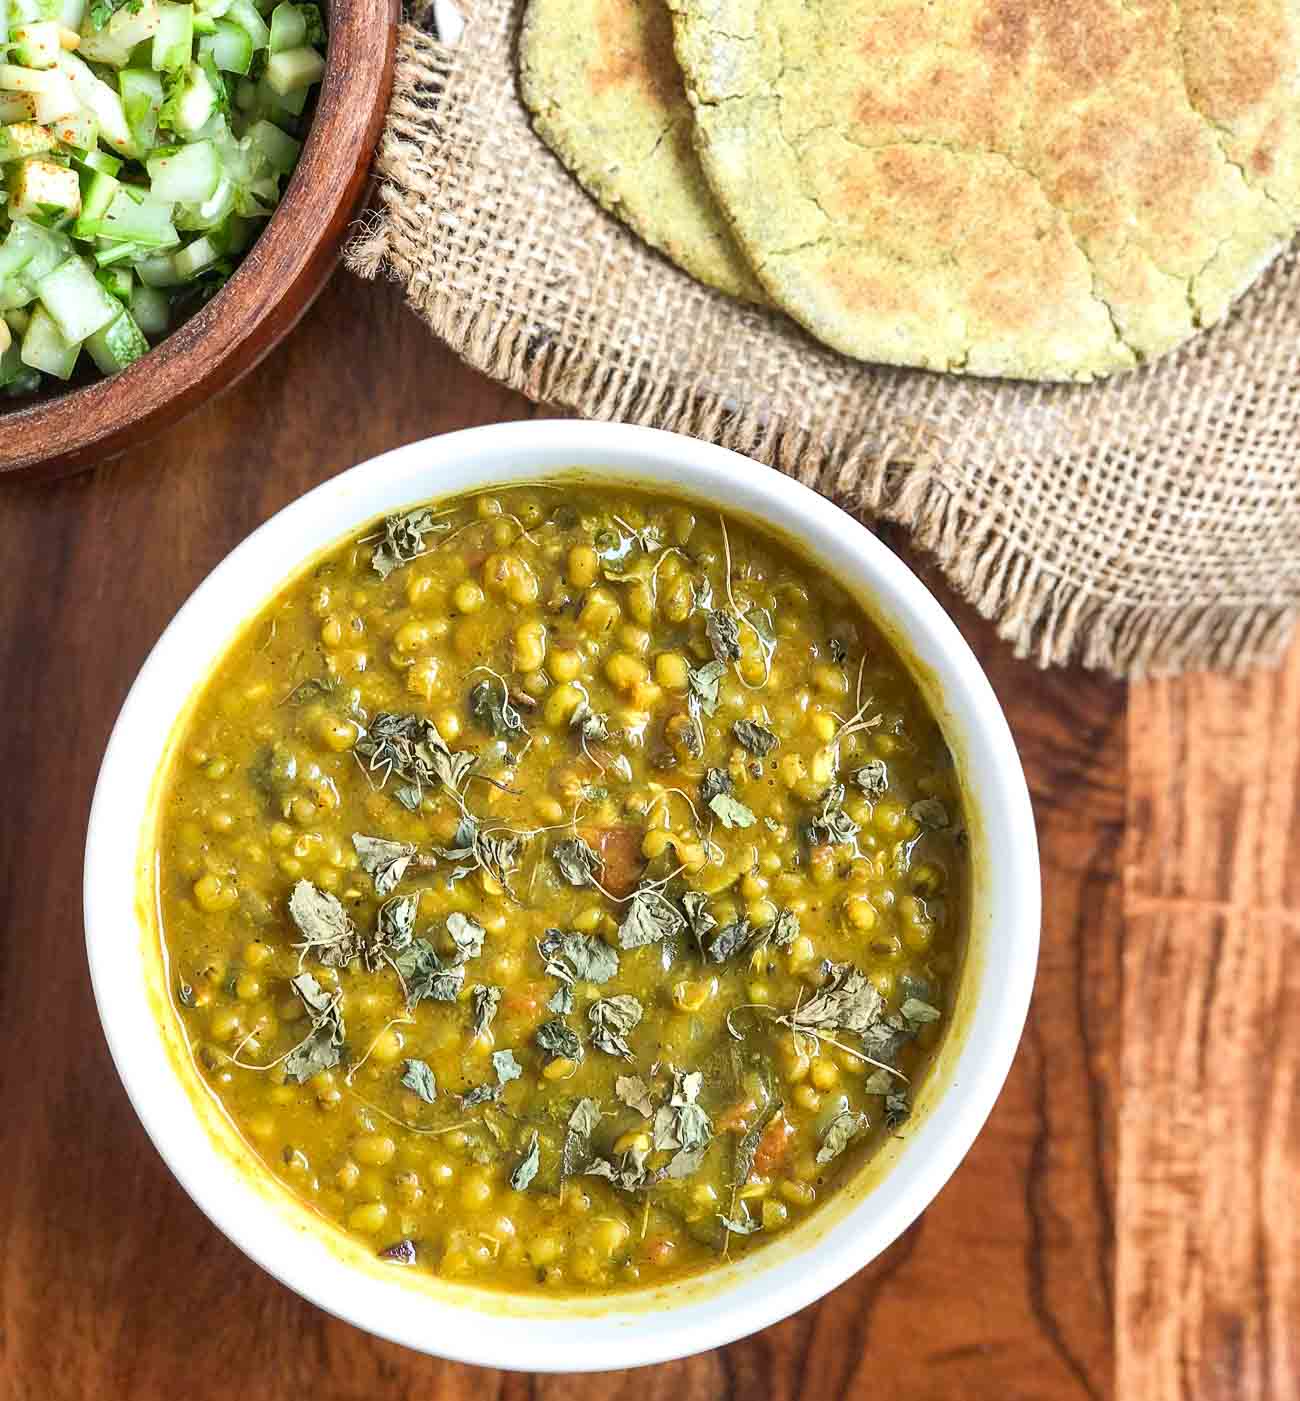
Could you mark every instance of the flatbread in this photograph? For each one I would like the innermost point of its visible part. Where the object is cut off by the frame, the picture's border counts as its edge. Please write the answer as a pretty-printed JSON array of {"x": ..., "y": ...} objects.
[
  {"x": 1044, "y": 189},
  {"x": 606, "y": 95}
]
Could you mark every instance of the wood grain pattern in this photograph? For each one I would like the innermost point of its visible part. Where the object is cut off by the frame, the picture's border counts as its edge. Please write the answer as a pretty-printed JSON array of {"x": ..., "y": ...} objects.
[
  {"x": 1208, "y": 1267},
  {"x": 268, "y": 294},
  {"x": 112, "y": 1284}
]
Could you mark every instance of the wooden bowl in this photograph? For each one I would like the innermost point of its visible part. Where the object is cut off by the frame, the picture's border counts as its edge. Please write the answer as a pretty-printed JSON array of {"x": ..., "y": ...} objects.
[{"x": 278, "y": 279}]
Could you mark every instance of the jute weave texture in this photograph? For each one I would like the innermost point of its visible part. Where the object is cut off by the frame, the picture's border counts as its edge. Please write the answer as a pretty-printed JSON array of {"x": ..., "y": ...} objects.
[{"x": 1150, "y": 523}]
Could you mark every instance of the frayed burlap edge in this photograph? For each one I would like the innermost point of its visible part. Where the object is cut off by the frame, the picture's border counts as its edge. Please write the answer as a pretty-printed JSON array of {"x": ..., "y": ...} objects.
[{"x": 1044, "y": 617}]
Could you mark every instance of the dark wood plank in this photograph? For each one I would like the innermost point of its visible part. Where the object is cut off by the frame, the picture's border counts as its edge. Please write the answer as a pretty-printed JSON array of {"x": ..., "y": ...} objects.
[
  {"x": 113, "y": 1285},
  {"x": 1061, "y": 1094},
  {"x": 1208, "y": 1268}
]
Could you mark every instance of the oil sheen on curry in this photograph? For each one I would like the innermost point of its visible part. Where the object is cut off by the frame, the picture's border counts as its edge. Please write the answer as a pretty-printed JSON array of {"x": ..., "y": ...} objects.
[{"x": 562, "y": 889}]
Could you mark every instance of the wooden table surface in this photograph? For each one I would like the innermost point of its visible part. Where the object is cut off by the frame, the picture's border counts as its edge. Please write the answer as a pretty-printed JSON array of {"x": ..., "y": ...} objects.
[{"x": 1126, "y": 1226}]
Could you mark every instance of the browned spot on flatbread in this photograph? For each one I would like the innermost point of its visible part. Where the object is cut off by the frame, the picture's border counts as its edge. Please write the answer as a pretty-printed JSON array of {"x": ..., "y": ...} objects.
[
  {"x": 889, "y": 189},
  {"x": 900, "y": 31},
  {"x": 940, "y": 104},
  {"x": 1086, "y": 43},
  {"x": 856, "y": 290},
  {"x": 1015, "y": 269},
  {"x": 1263, "y": 159},
  {"x": 636, "y": 48},
  {"x": 1237, "y": 58},
  {"x": 1241, "y": 65},
  {"x": 1002, "y": 31},
  {"x": 1252, "y": 75},
  {"x": 967, "y": 93},
  {"x": 915, "y": 184}
]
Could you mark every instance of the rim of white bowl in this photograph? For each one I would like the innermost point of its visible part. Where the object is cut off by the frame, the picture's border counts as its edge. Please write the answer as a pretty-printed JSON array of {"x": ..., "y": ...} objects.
[{"x": 626, "y": 1329}]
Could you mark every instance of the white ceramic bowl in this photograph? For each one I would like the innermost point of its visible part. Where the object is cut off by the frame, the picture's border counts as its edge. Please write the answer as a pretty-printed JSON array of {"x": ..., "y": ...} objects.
[{"x": 459, "y": 1321}]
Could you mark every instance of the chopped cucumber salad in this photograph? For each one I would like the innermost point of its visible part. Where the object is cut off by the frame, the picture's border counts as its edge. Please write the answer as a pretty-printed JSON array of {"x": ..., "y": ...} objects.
[{"x": 141, "y": 143}]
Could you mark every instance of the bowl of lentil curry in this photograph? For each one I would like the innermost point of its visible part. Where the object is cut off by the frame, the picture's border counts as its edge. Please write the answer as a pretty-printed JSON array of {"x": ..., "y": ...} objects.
[{"x": 567, "y": 923}]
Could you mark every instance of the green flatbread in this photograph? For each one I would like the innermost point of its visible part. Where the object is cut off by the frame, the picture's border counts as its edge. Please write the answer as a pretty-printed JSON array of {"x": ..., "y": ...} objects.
[
  {"x": 1031, "y": 188},
  {"x": 606, "y": 96}
]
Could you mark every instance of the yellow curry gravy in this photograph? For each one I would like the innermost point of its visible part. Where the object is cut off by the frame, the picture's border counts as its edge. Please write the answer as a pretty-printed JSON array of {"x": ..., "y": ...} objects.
[{"x": 562, "y": 888}]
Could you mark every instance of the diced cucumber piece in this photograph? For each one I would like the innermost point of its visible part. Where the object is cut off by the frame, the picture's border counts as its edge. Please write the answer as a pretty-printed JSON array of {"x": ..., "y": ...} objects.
[
  {"x": 316, "y": 35},
  {"x": 240, "y": 160},
  {"x": 276, "y": 105},
  {"x": 15, "y": 377},
  {"x": 142, "y": 67},
  {"x": 24, "y": 139},
  {"x": 59, "y": 101},
  {"x": 32, "y": 251},
  {"x": 45, "y": 349},
  {"x": 191, "y": 100},
  {"x": 36, "y": 45},
  {"x": 256, "y": 201},
  {"x": 34, "y": 80},
  {"x": 142, "y": 100},
  {"x": 17, "y": 107},
  {"x": 117, "y": 281},
  {"x": 134, "y": 217},
  {"x": 184, "y": 174},
  {"x": 79, "y": 130},
  {"x": 230, "y": 46},
  {"x": 212, "y": 212},
  {"x": 124, "y": 31},
  {"x": 39, "y": 185},
  {"x": 101, "y": 160},
  {"x": 173, "y": 41},
  {"x": 195, "y": 257},
  {"x": 276, "y": 147},
  {"x": 73, "y": 297},
  {"x": 288, "y": 27},
  {"x": 14, "y": 295},
  {"x": 244, "y": 14},
  {"x": 99, "y": 46},
  {"x": 158, "y": 271},
  {"x": 103, "y": 103},
  {"x": 239, "y": 234},
  {"x": 216, "y": 129},
  {"x": 151, "y": 309},
  {"x": 218, "y": 82},
  {"x": 11, "y": 361},
  {"x": 279, "y": 107},
  {"x": 293, "y": 70},
  {"x": 51, "y": 247},
  {"x": 97, "y": 193},
  {"x": 117, "y": 345}
]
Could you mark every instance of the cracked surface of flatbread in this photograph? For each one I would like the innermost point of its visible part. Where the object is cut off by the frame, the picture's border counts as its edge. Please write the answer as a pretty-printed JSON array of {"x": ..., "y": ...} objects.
[
  {"x": 1043, "y": 189},
  {"x": 606, "y": 95}
]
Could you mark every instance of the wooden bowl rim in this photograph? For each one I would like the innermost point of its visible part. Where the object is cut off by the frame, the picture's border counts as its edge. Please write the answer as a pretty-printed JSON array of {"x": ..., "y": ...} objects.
[{"x": 247, "y": 318}]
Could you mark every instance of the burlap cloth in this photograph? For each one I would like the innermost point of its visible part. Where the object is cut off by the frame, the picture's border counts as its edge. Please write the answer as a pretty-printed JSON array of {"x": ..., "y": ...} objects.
[{"x": 1151, "y": 523}]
